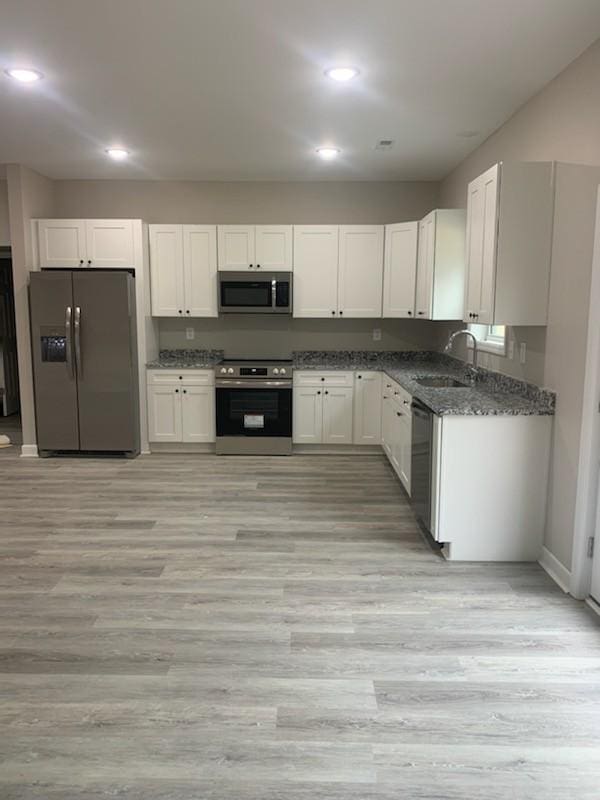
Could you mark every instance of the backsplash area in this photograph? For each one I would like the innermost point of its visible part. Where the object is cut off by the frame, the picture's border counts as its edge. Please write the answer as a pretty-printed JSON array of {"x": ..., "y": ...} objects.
[{"x": 265, "y": 336}]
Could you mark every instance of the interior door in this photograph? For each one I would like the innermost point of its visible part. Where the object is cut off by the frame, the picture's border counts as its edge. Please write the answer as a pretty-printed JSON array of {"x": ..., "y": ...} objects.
[
  {"x": 360, "y": 274},
  {"x": 9, "y": 371},
  {"x": 426, "y": 261},
  {"x": 61, "y": 243},
  {"x": 400, "y": 269},
  {"x": 200, "y": 270},
  {"x": 166, "y": 270},
  {"x": 316, "y": 270},
  {"x": 106, "y": 360},
  {"x": 274, "y": 247},
  {"x": 55, "y": 382}
]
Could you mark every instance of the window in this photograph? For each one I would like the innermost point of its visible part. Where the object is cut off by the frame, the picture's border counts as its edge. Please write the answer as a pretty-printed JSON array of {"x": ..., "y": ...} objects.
[{"x": 490, "y": 338}]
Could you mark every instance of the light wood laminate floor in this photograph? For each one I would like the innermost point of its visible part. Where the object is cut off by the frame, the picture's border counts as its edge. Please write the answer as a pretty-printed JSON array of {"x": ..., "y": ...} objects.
[{"x": 203, "y": 628}]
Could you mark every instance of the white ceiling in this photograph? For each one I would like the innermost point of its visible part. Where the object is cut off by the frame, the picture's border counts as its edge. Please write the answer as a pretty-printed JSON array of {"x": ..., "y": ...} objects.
[{"x": 234, "y": 89}]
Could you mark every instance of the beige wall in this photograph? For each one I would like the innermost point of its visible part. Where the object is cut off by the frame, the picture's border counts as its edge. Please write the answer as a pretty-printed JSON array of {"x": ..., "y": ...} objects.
[
  {"x": 561, "y": 123},
  {"x": 30, "y": 195},
  {"x": 247, "y": 202},
  {"x": 4, "y": 228},
  {"x": 264, "y": 336}
]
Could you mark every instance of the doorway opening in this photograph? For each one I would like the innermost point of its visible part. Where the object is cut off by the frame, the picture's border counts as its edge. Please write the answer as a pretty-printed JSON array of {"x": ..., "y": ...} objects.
[{"x": 10, "y": 419}]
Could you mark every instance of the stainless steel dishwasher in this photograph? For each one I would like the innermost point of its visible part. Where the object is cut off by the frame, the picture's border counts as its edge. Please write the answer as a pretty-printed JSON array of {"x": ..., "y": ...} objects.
[{"x": 421, "y": 461}]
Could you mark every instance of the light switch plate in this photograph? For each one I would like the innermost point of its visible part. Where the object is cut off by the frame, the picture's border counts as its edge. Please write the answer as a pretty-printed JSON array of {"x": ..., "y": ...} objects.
[
  {"x": 522, "y": 352},
  {"x": 190, "y": 333},
  {"x": 376, "y": 334}
]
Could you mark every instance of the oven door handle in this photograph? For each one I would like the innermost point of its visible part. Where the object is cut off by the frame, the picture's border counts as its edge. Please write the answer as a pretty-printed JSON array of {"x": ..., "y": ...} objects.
[{"x": 224, "y": 383}]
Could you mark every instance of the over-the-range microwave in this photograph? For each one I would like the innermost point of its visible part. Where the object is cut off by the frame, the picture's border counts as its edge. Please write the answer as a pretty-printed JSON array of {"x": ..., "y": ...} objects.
[{"x": 252, "y": 293}]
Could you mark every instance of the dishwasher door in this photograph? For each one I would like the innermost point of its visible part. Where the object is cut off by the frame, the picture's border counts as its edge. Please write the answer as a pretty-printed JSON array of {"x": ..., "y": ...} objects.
[{"x": 421, "y": 461}]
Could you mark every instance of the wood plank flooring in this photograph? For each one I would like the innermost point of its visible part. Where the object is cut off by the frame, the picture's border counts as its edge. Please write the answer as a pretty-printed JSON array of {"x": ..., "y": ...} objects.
[{"x": 203, "y": 628}]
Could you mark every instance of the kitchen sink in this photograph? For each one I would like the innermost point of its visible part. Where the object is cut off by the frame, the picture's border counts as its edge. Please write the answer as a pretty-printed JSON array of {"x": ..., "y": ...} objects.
[{"x": 441, "y": 382}]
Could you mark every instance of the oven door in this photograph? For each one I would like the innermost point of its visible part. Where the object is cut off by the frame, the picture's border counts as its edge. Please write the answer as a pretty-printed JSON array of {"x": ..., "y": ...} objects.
[
  {"x": 249, "y": 293},
  {"x": 254, "y": 408}
]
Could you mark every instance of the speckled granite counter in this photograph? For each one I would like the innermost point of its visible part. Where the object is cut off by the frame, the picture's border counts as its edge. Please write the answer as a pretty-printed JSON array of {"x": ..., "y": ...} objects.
[
  {"x": 186, "y": 359},
  {"x": 488, "y": 393}
]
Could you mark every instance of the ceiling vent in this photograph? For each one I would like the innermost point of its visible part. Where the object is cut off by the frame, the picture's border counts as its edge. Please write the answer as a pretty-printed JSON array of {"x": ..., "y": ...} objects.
[{"x": 384, "y": 144}]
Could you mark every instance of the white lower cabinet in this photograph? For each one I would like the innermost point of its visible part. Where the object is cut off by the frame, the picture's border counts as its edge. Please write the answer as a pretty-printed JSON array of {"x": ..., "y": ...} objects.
[
  {"x": 181, "y": 406},
  {"x": 323, "y": 408},
  {"x": 396, "y": 429},
  {"x": 367, "y": 407}
]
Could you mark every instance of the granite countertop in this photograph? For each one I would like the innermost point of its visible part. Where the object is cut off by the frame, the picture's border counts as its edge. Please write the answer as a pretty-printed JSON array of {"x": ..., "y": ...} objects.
[
  {"x": 488, "y": 393},
  {"x": 186, "y": 359}
]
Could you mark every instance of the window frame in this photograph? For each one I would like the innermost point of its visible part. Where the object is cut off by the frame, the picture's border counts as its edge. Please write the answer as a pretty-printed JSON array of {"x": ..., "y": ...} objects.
[{"x": 486, "y": 341}]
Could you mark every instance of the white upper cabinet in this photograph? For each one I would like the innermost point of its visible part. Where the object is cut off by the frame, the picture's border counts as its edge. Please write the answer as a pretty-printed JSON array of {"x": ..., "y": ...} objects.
[
  {"x": 316, "y": 270},
  {"x": 109, "y": 243},
  {"x": 200, "y": 270},
  {"x": 61, "y": 243},
  {"x": 273, "y": 247},
  {"x": 236, "y": 247},
  {"x": 400, "y": 269},
  {"x": 509, "y": 232},
  {"x": 255, "y": 247},
  {"x": 441, "y": 265},
  {"x": 72, "y": 243},
  {"x": 183, "y": 270},
  {"x": 360, "y": 273},
  {"x": 338, "y": 270}
]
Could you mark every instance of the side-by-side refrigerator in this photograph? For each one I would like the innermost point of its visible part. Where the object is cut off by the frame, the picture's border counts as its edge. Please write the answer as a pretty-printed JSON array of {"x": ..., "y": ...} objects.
[{"x": 85, "y": 361}]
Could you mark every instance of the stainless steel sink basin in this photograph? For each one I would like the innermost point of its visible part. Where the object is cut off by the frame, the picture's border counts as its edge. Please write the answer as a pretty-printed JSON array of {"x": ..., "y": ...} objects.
[{"x": 441, "y": 382}]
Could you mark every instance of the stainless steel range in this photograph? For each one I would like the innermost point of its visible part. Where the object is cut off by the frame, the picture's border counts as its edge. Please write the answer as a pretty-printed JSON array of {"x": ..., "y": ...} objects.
[{"x": 254, "y": 407}]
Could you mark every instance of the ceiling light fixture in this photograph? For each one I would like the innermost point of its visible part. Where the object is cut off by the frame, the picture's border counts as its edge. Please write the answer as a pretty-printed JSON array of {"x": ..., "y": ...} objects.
[
  {"x": 342, "y": 74},
  {"x": 328, "y": 153},
  {"x": 117, "y": 153},
  {"x": 24, "y": 75}
]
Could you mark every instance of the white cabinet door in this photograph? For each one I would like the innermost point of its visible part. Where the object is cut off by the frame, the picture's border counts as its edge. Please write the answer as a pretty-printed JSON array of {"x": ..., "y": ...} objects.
[
  {"x": 164, "y": 413},
  {"x": 307, "y": 427},
  {"x": 166, "y": 270},
  {"x": 236, "y": 247},
  {"x": 109, "y": 243},
  {"x": 400, "y": 269},
  {"x": 198, "y": 413},
  {"x": 360, "y": 276},
  {"x": 200, "y": 270},
  {"x": 367, "y": 408},
  {"x": 482, "y": 211},
  {"x": 337, "y": 415},
  {"x": 315, "y": 270},
  {"x": 425, "y": 267},
  {"x": 61, "y": 243},
  {"x": 273, "y": 247},
  {"x": 386, "y": 421},
  {"x": 405, "y": 449}
]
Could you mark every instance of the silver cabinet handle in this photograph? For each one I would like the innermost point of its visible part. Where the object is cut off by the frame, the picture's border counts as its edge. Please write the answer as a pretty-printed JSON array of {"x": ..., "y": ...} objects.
[
  {"x": 69, "y": 341},
  {"x": 77, "y": 327}
]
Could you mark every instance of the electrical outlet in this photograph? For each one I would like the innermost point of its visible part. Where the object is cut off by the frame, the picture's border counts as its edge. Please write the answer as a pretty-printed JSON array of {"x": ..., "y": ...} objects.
[
  {"x": 190, "y": 333},
  {"x": 522, "y": 352},
  {"x": 376, "y": 334},
  {"x": 511, "y": 349}
]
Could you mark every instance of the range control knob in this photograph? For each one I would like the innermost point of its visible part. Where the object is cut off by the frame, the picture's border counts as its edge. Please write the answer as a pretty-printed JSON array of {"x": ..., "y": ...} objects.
[
  {"x": 230, "y": 371},
  {"x": 276, "y": 371},
  {"x": 223, "y": 370},
  {"x": 282, "y": 370}
]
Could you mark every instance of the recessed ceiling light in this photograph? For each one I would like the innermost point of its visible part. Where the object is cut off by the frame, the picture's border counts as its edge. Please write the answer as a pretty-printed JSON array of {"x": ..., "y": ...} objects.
[
  {"x": 328, "y": 153},
  {"x": 117, "y": 153},
  {"x": 342, "y": 74},
  {"x": 24, "y": 75}
]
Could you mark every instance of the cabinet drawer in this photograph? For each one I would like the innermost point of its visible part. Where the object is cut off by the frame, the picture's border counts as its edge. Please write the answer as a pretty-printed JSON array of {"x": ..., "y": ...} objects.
[
  {"x": 325, "y": 378},
  {"x": 190, "y": 377},
  {"x": 397, "y": 393}
]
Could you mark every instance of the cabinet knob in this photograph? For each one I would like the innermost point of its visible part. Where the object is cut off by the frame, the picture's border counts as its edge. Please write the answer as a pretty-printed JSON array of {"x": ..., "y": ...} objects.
[
  {"x": 420, "y": 313},
  {"x": 180, "y": 311},
  {"x": 399, "y": 414},
  {"x": 251, "y": 266},
  {"x": 322, "y": 379},
  {"x": 341, "y": 313},
  {"x": 176, "y": 391},
  {"x": 89, "y": 261},
  {"x": 181, "y": 377},
  {"x": 258, "y": 266},
  {"x": 187, "y": 312},
  {"x": 385, "y": 397},
  {"x": 359, "y": 377},
  {"x": 333, "y": 312},
  {"x": 185, "y": 391},
  {"x": 326, "y": 392},
  {"x": 81, "y": 260},
  {"x": 319, "y": 391},
  {"x": 410, "y": 313}
]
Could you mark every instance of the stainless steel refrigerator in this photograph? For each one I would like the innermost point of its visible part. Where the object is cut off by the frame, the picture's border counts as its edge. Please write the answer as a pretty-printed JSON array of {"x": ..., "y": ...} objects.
[{"x": 83, "y": 335}]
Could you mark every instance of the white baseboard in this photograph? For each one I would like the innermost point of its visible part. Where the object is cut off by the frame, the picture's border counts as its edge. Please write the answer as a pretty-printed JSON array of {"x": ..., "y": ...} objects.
[
  {"x": 557, "y": 571},
  {"x": 589, "y": 601},
  {"x": 29, "y": 451}
]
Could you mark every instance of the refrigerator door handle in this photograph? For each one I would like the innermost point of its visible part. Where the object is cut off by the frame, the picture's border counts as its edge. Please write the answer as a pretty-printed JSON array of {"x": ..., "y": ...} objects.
[
  {"x": 77, "y": 327},
  {"x": 68, "y": 341}
]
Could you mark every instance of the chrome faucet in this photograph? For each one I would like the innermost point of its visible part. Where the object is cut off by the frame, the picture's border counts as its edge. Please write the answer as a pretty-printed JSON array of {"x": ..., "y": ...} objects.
[{"x": 466, "y": 332}]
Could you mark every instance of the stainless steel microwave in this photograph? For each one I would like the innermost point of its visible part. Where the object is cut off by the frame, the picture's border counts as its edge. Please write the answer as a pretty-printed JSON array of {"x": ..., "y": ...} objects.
[{"x": 252, "y": 293}]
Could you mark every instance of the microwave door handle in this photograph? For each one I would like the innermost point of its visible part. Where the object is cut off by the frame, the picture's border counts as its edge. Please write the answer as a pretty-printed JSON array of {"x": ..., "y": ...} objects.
[{"x": 273, "y": 294}]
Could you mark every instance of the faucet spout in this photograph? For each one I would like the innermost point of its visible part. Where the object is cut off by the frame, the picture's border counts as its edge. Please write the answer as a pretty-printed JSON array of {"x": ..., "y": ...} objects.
[{"x": 463, "y": 332}]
